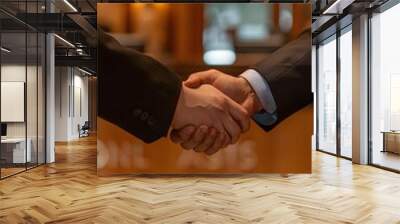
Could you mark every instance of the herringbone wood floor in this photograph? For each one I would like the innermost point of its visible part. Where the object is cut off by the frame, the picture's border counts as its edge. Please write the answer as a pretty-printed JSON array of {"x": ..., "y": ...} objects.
[{"x": 70, "y": 192}]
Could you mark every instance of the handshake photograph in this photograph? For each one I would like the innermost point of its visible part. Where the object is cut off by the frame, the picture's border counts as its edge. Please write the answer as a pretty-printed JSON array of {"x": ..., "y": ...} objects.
[
  {"x": 204, "y": 88},
  {"x": 199, "y": 112}
]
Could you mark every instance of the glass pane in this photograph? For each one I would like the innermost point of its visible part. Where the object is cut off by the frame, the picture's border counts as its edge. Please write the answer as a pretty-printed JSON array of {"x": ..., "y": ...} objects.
[
  {"x": 13, "y": 86},
  {"x": 385, "y": 89},
  {"x": 327, "y": 96},
  {"x": 22, "y": 102},
  {"x": 31, "y": 97},
  {"x": 31, "y": 88},
  {"x": 41, "y": 98},
  {"x": 346, "y": 94}
]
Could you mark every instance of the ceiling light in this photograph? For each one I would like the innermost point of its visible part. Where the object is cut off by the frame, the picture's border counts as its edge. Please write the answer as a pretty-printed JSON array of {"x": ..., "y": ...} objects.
[
  {"x": 70, "y": 5},
  {"x": 5, "y": 50},
  {"x": 80, "y": 51},
  {"x": 84, "y": 71},
  {"x": 65, "y": 41},
  {"x": 337, "y": 7}
]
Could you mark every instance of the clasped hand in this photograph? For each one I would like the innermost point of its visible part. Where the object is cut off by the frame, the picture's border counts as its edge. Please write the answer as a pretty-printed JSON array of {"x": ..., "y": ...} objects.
[{"x": 213, "y": 109}]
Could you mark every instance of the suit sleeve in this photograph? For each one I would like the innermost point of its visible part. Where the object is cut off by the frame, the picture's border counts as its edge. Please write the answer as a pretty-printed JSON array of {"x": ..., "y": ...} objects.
[
  {"x": 135, "y": 92},
  {"x": 288, "y": 74}
]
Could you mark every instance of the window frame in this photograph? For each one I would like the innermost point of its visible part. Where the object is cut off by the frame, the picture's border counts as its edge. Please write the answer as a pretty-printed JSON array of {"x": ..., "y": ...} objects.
[
  {"x": 381, "y": 9},
  {"x": 333, "y": 37}
]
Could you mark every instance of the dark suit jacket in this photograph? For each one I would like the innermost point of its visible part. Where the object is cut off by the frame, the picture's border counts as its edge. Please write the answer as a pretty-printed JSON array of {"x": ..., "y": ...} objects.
[
  {"x": 135, "y": 92},
  {"x": 288, "y": 73}
]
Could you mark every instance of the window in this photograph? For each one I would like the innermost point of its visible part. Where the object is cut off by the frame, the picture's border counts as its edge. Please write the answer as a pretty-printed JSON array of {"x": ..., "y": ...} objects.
[
  {"x": 334, "y": 106},
  {"x": 346, "y": 92},
  {"x": 327, "y": 95},
  {"x": 385, "y": 89}
]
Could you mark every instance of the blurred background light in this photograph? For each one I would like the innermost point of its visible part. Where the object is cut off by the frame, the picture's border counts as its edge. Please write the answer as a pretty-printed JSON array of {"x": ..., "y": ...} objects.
[
  {"x": 219, "y": 57},
  {"x": 286, "y": 18}
]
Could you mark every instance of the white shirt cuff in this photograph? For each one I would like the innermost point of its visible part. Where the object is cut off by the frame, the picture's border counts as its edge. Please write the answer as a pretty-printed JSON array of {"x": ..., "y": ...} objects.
[{"x": 262, "y": 89}]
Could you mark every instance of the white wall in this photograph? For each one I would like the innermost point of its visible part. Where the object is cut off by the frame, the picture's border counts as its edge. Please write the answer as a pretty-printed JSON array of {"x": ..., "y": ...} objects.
[
  {"x": 61, "y": 103},
  {"x": 14, "y": 73},
  {"x": 71, "y": 92},
  {"x": 81, "y": 103}
]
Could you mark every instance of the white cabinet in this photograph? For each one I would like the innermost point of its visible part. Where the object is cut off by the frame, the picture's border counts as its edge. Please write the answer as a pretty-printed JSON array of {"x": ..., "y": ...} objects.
[{"x": 16, "y": 149}]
